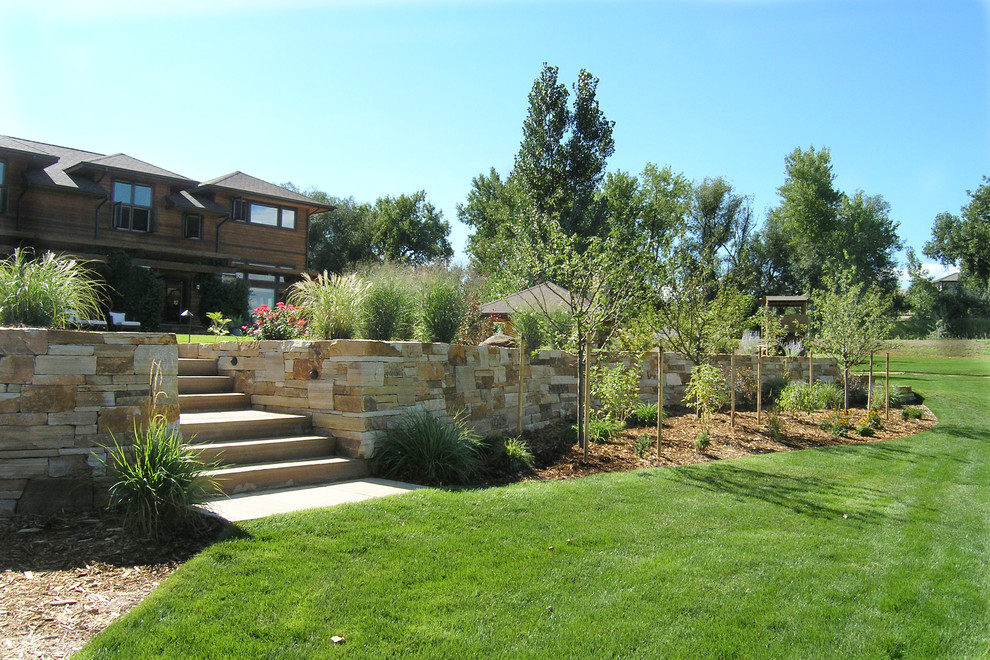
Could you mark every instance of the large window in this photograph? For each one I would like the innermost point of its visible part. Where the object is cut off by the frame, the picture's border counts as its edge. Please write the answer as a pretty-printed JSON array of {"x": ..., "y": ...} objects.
[
  {"x": 131, "y": 206},
  {"x": 263, "y": 214},
  {"x": 3, "y": 187}
]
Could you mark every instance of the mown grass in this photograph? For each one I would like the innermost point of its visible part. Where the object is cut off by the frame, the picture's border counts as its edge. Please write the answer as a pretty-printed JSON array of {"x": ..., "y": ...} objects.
[
  {"x": 858, "y": 551},
  {"x": 960, "y": 357}
]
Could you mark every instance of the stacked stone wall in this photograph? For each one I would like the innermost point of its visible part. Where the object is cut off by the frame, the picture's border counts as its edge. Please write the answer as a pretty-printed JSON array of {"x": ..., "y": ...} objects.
[{"x": 64, "y": 395}]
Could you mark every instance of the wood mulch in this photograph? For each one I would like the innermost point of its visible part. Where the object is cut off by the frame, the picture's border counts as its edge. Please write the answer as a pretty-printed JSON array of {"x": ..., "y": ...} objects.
[{"x": 64, "y": 579}]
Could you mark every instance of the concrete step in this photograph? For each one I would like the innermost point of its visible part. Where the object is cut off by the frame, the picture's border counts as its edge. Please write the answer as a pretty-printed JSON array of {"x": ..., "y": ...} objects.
[
  {"x": 237, "y": 425},
  {"x": 214, "y": 401},
  {"x": 197, "y": 367},
  {"x": 205, "y": 384},
  {"x": 266, "y": 450},
  {"x": 284, "y": 474}
]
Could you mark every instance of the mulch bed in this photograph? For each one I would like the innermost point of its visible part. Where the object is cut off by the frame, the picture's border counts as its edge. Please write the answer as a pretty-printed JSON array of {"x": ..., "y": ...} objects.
[{"x": 64, "y": 579}]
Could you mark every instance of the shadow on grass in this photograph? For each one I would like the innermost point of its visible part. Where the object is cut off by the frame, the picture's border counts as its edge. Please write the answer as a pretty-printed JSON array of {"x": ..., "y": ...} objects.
[{"x": 806, "y": 495}]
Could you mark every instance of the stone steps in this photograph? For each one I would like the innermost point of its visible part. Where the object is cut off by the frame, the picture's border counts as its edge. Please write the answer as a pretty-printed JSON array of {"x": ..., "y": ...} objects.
[{"x": 255, "y": 449}]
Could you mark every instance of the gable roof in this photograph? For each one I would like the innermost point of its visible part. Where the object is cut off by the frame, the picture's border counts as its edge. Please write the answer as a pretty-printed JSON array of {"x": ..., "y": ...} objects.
[
  {"x": 951, "y": 277},
  {"x": 241, "y": 182},
  {"x": 124, "y": 163},
  {"x": 548, "y": 297}
]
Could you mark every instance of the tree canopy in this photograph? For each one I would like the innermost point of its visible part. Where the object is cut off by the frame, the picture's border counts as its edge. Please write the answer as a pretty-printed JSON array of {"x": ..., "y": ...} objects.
[{"x": 965, "y": 241}]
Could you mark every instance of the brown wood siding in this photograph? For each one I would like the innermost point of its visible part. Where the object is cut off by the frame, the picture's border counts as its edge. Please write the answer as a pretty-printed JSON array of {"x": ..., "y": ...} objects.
[{"x": 263, "y": 244}]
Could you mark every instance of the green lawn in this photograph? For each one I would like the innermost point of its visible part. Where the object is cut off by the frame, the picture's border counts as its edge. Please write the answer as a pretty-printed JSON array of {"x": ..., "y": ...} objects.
[
  {"x": 861, "y": 551},
  {"x": 961, "y": 357}
]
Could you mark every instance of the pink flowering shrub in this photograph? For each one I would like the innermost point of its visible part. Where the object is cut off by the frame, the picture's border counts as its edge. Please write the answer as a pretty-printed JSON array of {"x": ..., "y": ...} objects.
[{"x": 282, "y": 322}]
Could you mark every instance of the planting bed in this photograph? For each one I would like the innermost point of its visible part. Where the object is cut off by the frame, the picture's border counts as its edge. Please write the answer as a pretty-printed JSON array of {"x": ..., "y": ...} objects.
[{"x": 65, "y": 579}]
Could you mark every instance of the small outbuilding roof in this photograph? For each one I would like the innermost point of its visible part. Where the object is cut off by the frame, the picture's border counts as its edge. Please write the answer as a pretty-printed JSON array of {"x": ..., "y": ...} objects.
[
  {"x": 546, "y": 297},
  {"x": 951, "y": 277}
]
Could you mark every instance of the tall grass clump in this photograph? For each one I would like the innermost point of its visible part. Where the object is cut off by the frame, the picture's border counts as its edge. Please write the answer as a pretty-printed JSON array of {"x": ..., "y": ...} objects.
[
  {"x": 39, "y": 292},
  {"x": 389, "y": 307},
  {"x": 158, "y": 477},
  {"x": 529, "y": 324},
  {"x": 797, "y": 395},
  {"x": 331, "y": 304},
  {"x": 425, "y": 450},
  {"x": 442, "y": 305}
]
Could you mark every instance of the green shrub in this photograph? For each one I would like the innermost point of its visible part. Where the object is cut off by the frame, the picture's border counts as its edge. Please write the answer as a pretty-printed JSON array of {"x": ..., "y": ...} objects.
[
  {"x": 331, "y": 304},
  {"x": 602, "y": 429},
  {"x": 897, "y": 398},
  {"x": 836, "y": 423},
  {"x": 136, "y": 290},
  {"x": 702, "y": 442},
  {"x": 616, "y": 388},
  {"x": 912, "y": 413},
  {"x": 707, "y": 392},
  {"x": 644, "y": 414},
  {"x": 280, "y": 323},
  {"x": 519, "y": 459},
  {"x": 39, "y": 292},
  {"x": 866, "y": 431},
  {"x": 530, "y": 325},
  {"x": 643, "y": 442},
  {"x": 776, "y": 426},
  {"x": 797, "y": 395},
  {"x": 475, "y": 326},
  {"x": 388, "y": 309},
  {"x": 425, "y": 450},
  {"x": 158, "y": 479},
  {"x": 218, "y": 324},
  {"x": 772, "y": 387},
  {"x": 441, "y": 307}
]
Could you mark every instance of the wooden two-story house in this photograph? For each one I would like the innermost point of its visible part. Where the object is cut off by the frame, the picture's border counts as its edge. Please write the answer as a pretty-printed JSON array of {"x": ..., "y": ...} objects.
[{"x": 83, "y": 203}]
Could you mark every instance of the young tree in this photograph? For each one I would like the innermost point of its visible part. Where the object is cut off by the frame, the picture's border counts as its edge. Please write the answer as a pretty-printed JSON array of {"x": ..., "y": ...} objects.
[{"x": 849, "y": 322}]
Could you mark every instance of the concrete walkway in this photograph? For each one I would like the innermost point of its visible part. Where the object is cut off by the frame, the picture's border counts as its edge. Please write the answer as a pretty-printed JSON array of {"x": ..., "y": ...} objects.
[{"x": 266, "y": 503}]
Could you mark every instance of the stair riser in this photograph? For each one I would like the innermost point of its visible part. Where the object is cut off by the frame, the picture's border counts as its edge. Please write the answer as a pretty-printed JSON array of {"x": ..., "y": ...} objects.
[
  {"x": 291, "y": 476},
  {"x": 268, "y": 452},
  {"x": 197, "y": 367},
  {"x": 236, "y": 431},
  {"x": 205, "y": 384},
  {"x": 229, "y": 401}
]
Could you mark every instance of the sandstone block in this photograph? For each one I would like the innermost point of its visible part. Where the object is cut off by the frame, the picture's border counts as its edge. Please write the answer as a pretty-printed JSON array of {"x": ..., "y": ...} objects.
[
  {"x": 115, "y": 365},
  {"x": 16, "y": 368},
  {"x": 65, "y": 364},
  {"x": 10, "y": 402},
  {"x": 165, "y": 356},
  {"x": 23, "y": 342},
  {"x": 48, "y": 398},
  {"x": 74, "y": 418}
]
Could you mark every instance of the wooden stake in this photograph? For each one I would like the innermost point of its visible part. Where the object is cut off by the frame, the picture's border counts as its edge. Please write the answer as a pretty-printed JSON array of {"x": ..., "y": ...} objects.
[
  {"x": 522, "y": 368},
  {"x": 759, "y": 383},
  {"x": 659, "y": 397},
  {"x": 732, "y": 389},
  {"x": 811, "y": 369},
  {"x": 869, "y": 385},
  {"x": 886, "y": 389},
  {"x": 587, "y": 397}
]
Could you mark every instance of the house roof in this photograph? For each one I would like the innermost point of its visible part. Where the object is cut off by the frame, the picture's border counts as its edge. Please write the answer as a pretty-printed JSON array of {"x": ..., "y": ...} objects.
[
  {"x": 241, "y": 182},
  {"x": 786, "y": 301},
  {"x": 14, "y": 145},
  {"x": 125, "y": 163},
  {"x": 186, "y": 200},
  {"x": 951, "y": 277},
  {"x": 546, "y": 297}
]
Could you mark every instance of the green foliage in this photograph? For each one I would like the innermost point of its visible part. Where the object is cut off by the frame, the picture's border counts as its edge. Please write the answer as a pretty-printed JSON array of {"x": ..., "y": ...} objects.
[
  {"x": 339, "y": 240},
  {"x": 441, "y": 305},
  {"x": 702, "y": 442},
  {"x": 425, "y": 450},
  {"x": 388, "y": 310},
  {"x": 873, "y": 419},
  {"x": 772, "y": 330},
  {"x": 529, "y": 324},
  {"x": 797, "y": 395},
  {"x": 218, "y": 324},
  {"x": 602, "y": 429},
  {"x": 280, "y": 323},
  {"x": 836, "y": 423},
  {"x": 135, "y": 290},
  {"x": 776, "y": 426},
  {"x": 39, "y": 292},
  {"x": 706, "y": 392},
  {"x": 475, "y": 326},
  {"x": 157, "y": 480},
  {"x": 409, "y": 229},
  {"x": 642, "y": 443},
  {"x": 331, "y": 304},
  {"x": 519, "y": 459},
  {"x": 966, "y": 240},
  {"x": 616, "y": 388},
  {"x": 772, "y": 387},
  {"x": 912, "y": 413},
  {"x": 896, "y": 398},
  {"x": 644, "y": 414},
  {"x": 866, "y": 431},
  {"x": 227, "y": 296}
]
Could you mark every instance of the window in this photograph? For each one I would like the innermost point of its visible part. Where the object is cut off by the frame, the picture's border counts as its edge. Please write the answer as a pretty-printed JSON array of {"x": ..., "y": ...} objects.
[
  {"x": 3, "y": 187},
  {"x": 131, "y": 206},
  {"x": 192, "y": 225},
  {"x": 263, "y": 214}
]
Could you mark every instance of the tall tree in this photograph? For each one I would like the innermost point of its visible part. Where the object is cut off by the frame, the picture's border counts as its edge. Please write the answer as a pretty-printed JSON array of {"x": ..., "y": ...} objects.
[
  {"x": 492, "y": 205},
  {"x": 409, "y": 229},
  {"x": 339, "y": 239},
  {"x": 562, "y": 157},
  {"x": 965, "y": 241}
]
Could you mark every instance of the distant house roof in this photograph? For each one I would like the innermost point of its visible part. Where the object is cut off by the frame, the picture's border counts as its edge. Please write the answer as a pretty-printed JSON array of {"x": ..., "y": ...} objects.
[
  {"x": 789, "y": 301},
  {"x": 241, "y": 182},
  {"x": 951, "y": 277},
  {"x": 548, "y": 297}
]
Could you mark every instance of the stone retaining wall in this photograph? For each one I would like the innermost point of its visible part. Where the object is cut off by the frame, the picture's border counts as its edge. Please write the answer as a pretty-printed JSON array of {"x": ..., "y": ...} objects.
[
  {"x": 62, "y": 395},
  {"x": 355, "y": 389}
]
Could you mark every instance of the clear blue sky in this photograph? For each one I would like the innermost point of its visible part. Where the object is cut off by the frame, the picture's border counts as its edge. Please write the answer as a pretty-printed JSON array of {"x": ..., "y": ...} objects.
[{"x": 366, "y": 99}]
